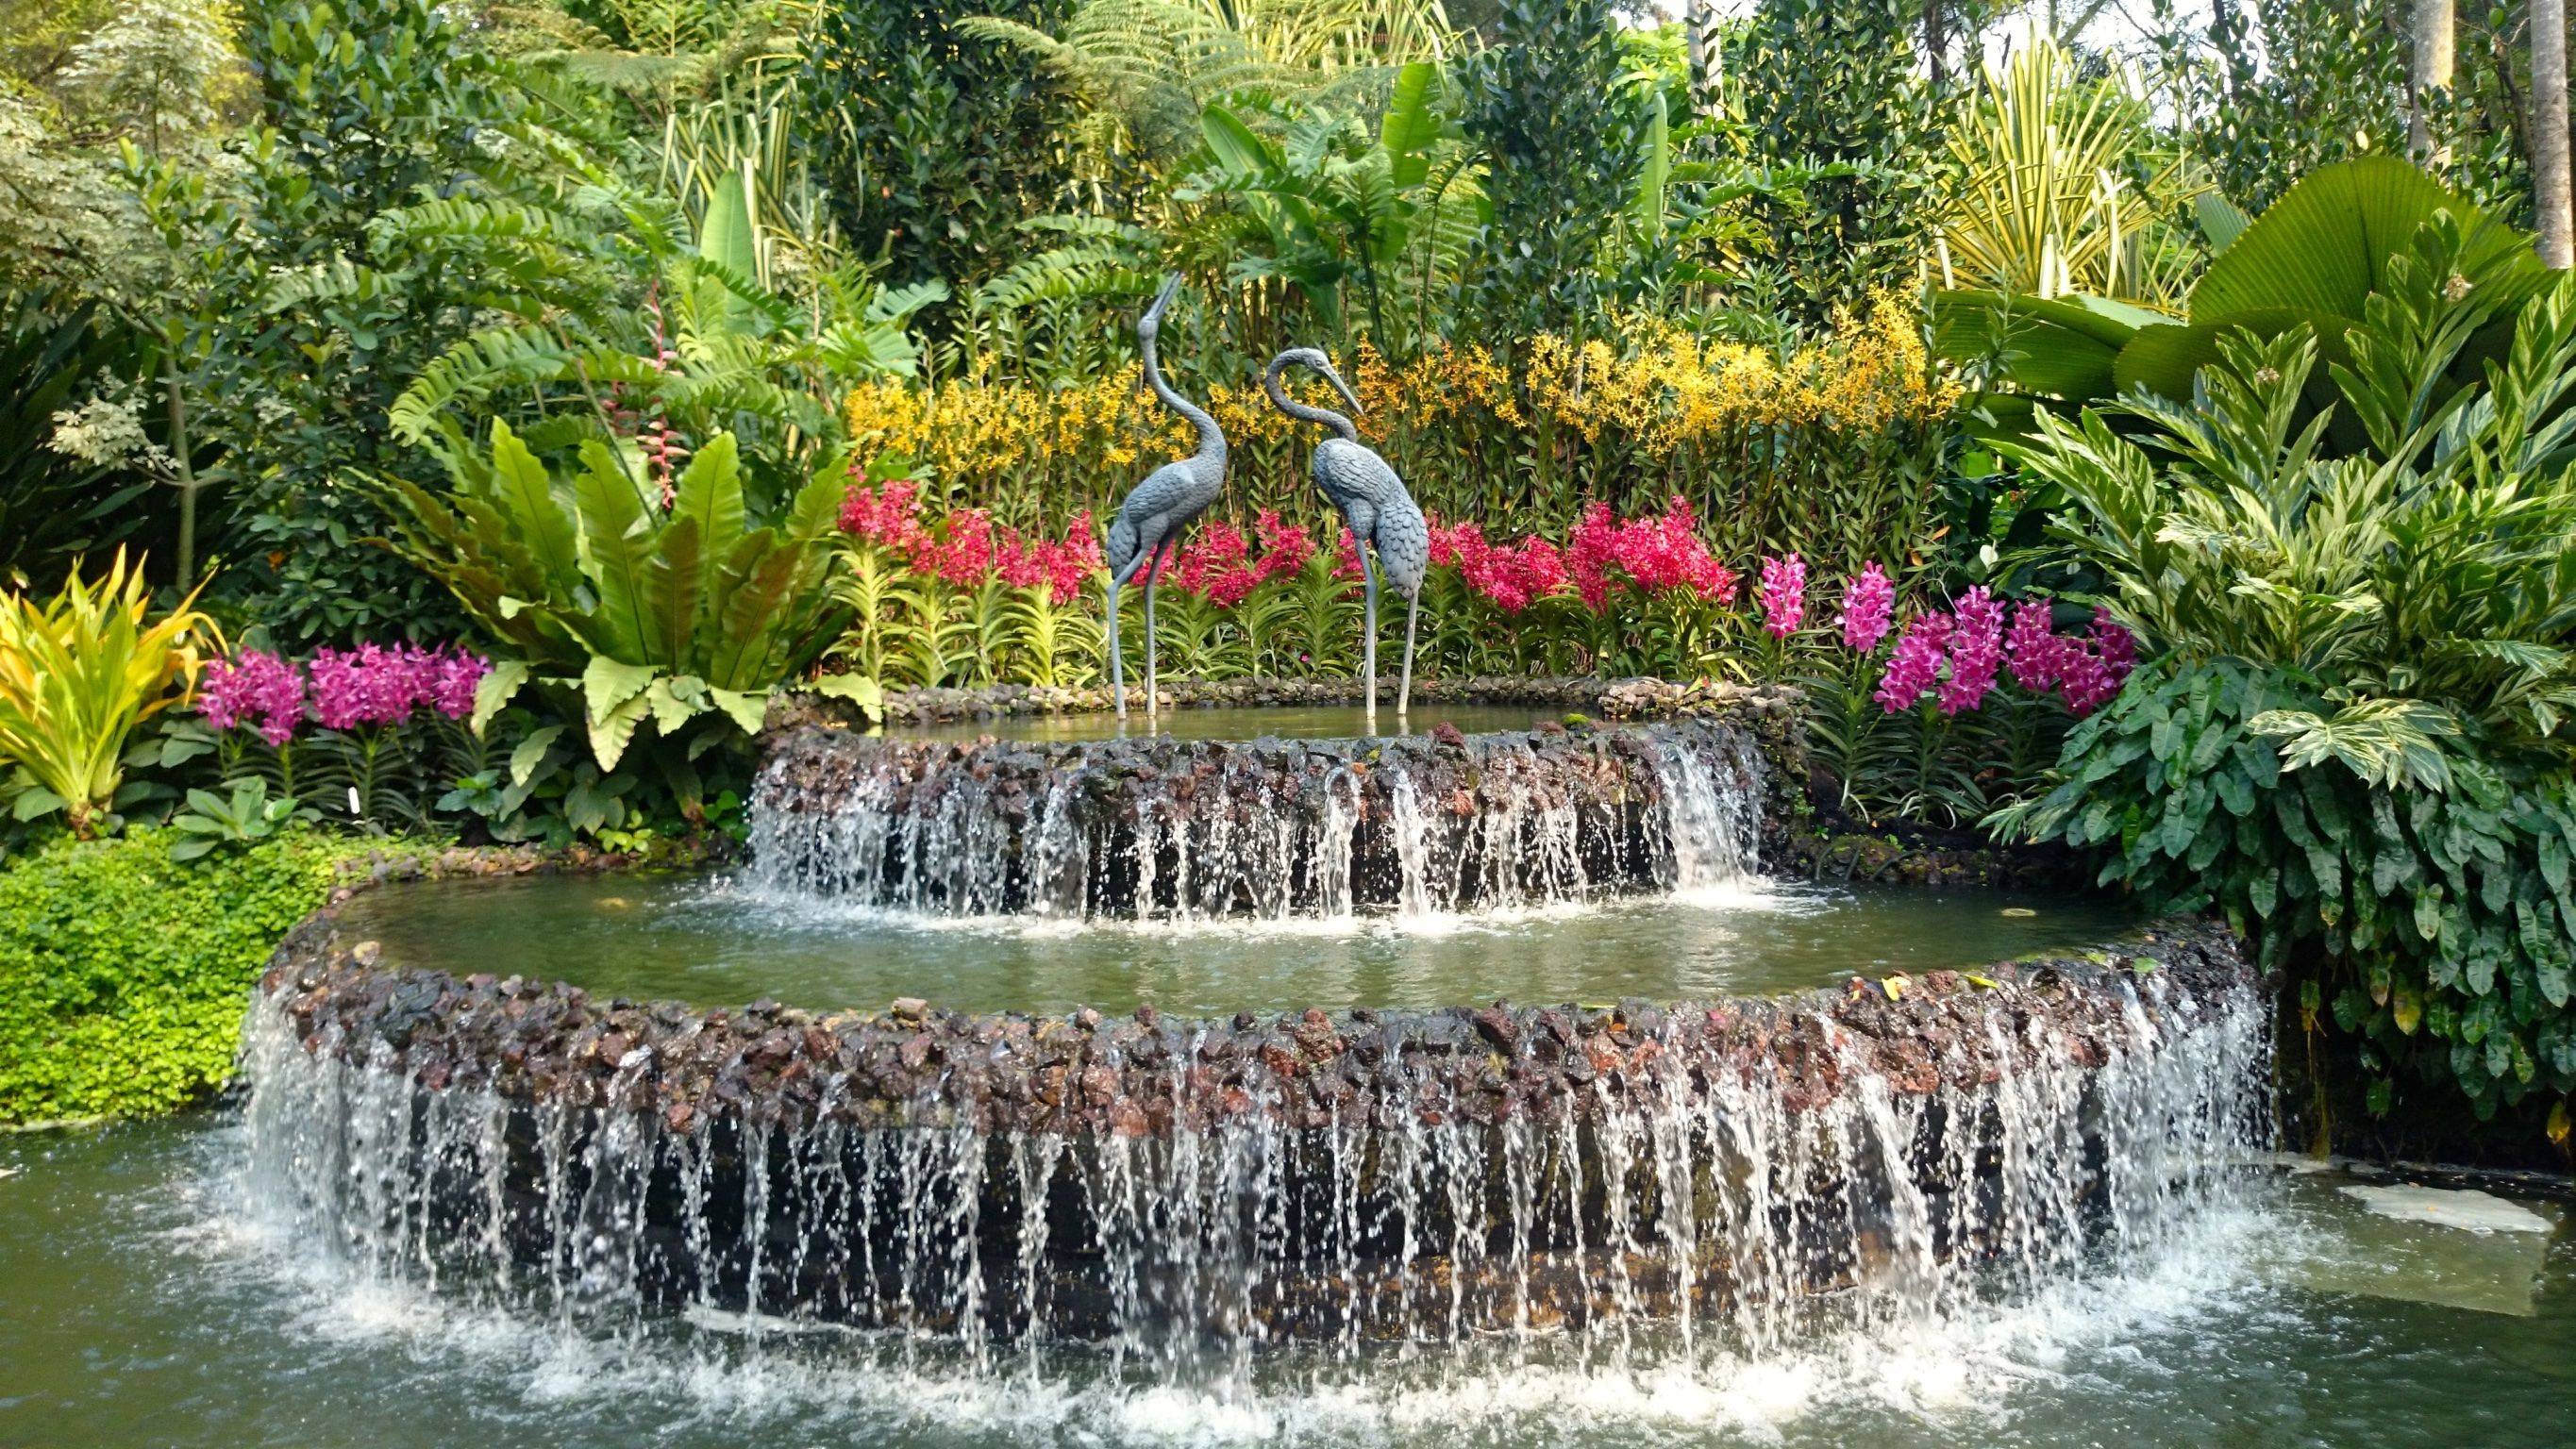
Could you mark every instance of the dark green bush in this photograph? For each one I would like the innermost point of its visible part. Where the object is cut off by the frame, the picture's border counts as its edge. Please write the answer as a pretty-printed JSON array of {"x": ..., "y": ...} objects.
[
  {"x": 124, "y": 973},
  {"x": 2355, "y": 737},
  {"x": 2436, "y": 926}
]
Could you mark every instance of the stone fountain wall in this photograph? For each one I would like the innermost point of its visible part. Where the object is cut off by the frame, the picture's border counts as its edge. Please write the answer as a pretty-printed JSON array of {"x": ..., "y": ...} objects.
[
  {"x": 1152, "y": 826},
  {"x": 1324, "y": 1175}
]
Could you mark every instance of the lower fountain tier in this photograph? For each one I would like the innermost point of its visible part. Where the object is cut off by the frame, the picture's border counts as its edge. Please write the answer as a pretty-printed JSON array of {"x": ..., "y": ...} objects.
[{"x": 1437, "y": 1174}]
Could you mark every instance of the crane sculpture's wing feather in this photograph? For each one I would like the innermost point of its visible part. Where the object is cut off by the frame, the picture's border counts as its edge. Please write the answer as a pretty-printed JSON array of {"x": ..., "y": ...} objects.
[
  {"x": 1346, "y": 470},
  {"x": 1152, "y": 512}
]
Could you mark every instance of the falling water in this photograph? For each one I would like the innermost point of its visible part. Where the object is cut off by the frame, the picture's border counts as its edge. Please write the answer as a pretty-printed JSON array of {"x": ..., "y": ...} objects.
[
  {"x": 1200, "y": 830},
  {"x": 1736, "y": 1209}
]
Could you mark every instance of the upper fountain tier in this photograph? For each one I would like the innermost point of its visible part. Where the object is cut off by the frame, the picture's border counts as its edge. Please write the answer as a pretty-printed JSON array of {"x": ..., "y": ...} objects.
[{"x": 1329, "y": 821}]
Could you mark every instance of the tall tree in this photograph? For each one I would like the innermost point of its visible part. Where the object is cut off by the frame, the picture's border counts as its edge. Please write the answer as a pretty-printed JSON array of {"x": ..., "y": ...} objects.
[
  {"x": 2549, "y": 180},
  {"x": 2429, "y": 75}
]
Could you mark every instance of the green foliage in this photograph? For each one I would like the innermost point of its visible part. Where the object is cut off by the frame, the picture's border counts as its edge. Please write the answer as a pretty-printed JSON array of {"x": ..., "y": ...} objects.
[
  {"x": 710, "y": 349},
  {"x": 664, "y": 607},
  {"x": 2311, "y": 261},
  {"x": 2432, "y": 566},
  {"x": 2434, "y": 927},
  {"x": 55, "y": 502},
  {"x": 2299, "y": 85},
  {"x": 1840, "y": 83},
  {"x": 244, "y": 817},
  {"x": 352, "y": 267},
  {"x": 2354, "y": 741},
  {"x": 1337, "y": 206},
  {"x": 124, "y": 972},
  {"x": 937, "y": 144},
  {"x": 1544, "y": 105}
]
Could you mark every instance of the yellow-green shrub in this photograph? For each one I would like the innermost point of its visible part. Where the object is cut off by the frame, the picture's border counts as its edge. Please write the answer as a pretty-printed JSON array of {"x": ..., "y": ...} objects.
[
  {"x": 123, "y": 973},
  {"x": 80, "y": 670}
]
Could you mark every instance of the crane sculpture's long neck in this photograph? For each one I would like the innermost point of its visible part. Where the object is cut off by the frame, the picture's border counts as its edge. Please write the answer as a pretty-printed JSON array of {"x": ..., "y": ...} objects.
[
  {"x": 1270, "y": 383},
  {"x": 1211, "y": 440}
]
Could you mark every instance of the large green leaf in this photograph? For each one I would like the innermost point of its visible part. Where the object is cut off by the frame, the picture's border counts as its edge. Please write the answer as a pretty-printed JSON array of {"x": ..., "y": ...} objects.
[
  {"x": 750, "y": 647},
  {"x": 2062, "y": 347},
  {"x": 710, "y": 491},
  {"x": 2324, "y": 247},
  {"x": 1410, "y": 125},
  {"x": 725, "y": 235},
  {"x": 615, "y": 699},
  {"x": 615, "y": 546},
  {"x": 675, "y": 587},
  {"x": 1236, "y": 147},
  {"x": 2165, "y": 359},
  {"x": 522, "y": 489}
]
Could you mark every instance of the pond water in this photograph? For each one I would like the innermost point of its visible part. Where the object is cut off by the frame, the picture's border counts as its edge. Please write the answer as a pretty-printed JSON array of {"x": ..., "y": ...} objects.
[
  {"x": 145, "y": 1301},
  {"x": 710, "y": 942},
  {"x": 1248, "y": 722}
]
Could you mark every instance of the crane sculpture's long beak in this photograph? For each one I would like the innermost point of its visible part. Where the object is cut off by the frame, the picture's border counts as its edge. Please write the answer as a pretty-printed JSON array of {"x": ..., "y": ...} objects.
[
  {"x": 1342, "y": 387},
  {"x": 1163, "y": 298}
]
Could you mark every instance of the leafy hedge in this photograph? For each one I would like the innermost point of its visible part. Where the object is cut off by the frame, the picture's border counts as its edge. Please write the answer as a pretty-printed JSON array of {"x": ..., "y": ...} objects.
[
  {"x": 2439, "y": 927},
  {"x": 123, "y": 973}
]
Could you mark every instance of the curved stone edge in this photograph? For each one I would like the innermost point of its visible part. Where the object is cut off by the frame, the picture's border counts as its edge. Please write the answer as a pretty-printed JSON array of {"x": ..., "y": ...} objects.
[
  {"x": 1619, "y": 698},
  {"x": 815, "y": 748},
  {"x": 1088, "y": 1074}
]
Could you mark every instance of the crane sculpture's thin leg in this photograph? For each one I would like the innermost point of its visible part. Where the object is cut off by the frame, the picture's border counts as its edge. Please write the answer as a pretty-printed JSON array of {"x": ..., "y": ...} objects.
[
  {"x": 1117, "y": 661},
  {"x": 1404, "y": 686},
  {"x": 1368, "y": 636},
  {"x": 1117, "y": 666},
  {"x": 1153, "y": 576}
]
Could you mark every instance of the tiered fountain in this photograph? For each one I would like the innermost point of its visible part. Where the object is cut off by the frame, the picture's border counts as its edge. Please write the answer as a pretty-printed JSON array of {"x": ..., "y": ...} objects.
[{"x": 1716, "y": 1175}]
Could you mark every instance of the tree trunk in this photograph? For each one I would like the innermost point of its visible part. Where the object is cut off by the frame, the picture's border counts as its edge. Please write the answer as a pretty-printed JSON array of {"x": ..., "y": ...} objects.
[
  {"x": 182, "y": 455},
  {"x": 1699, "y": 25},
  {"x": 2549, "y": 131},
  {"x": 2429, "y": 79}
]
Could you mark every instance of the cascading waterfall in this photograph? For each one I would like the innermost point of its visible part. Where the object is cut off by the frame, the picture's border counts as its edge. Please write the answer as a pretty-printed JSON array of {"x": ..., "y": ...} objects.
[
  {"x": 1735, "y": 1177},
  {"x": 1157, "y": 828}
]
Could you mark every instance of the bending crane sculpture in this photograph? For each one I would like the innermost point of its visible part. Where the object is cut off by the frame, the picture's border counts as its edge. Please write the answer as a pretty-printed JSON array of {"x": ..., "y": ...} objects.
[
  {"x": 1148, "y": 526},
  {"x": 1381, "y": 514}
]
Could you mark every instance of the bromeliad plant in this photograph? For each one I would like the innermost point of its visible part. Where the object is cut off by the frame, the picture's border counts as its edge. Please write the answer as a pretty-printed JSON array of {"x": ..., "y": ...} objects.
[
  {"x": 78, "y": 673},
  {"x": 2352, "y": 735},
  {"x": 666, "y": 615}
]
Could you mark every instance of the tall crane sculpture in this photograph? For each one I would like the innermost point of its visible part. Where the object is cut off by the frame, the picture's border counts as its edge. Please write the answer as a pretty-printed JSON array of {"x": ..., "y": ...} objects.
[
  {"x": 1148, "y": 526},
  {"x": 1373, "y": 501}
]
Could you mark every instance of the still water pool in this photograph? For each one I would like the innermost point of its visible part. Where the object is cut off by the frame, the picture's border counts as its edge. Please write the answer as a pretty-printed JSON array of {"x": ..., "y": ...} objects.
[
  {"x": 1298, "y": 722},
  {"x": 145, "y": 1301},
  {"x": 708, "y": 942}
]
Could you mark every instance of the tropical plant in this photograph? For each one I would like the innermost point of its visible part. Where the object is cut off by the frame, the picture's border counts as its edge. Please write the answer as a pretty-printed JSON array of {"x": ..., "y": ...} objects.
[
  {"x": 2057, "y": 188},
  {"x": 78, "y": 672},
  {"x": 1143, "y": 70},
  {"x": 244, "y": 817},
  {"x": 936, "y": 144},
  {"x": 2312, "y": 260},
  {"x": 709, "y": 349},
  {"x": 2352, "y": 736},
  {"x": 64, "y": 486},
  {"x": 1544, "y": 107},
  {"x": 1843, "y": 89},
  {"x": 326, "y": 310},
  {"x": 660, "y": 607},
  {"x": 1334, "y": 204}
]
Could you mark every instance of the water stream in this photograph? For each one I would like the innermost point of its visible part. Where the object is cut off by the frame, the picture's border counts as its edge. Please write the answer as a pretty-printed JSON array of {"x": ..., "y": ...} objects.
[
  {"x": 2047, "y": 1227},
  {"x": 1187, "y": 829}
]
